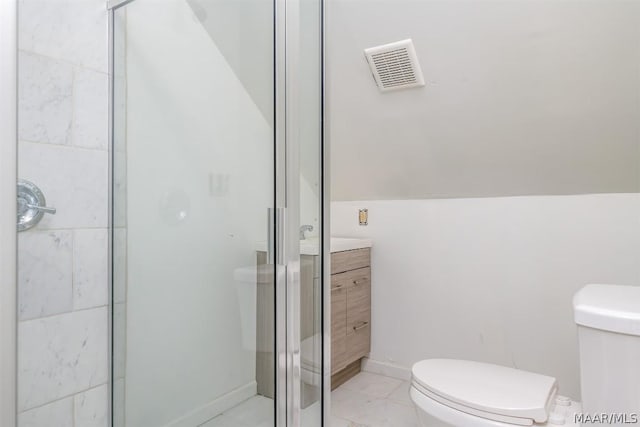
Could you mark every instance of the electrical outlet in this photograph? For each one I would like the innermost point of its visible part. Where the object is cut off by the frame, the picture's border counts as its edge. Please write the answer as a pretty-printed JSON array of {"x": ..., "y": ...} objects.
[{"x": 363, "y": 216}]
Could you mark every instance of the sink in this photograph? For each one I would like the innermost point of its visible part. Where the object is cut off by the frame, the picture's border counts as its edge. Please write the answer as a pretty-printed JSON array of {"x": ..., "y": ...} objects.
[
  {"x": 339, "y": 244},
  {"x": 311, "y": 245}
]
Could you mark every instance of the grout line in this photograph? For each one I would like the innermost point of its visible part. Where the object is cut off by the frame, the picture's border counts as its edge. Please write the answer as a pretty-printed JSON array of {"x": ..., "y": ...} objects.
[
  {"x": 69, "y": 146},
  {"x": 73, "y": 411},
  {"x": 63, "y": 313},
  {"x": 72, "y": 123},
  {"x": 74, "y": 237},
  {"x": 402, "y": 383},
  {"x": 63, "y": 60},
  {"x": 48, "y": 230},
  {"x": 72, "y": 395}
]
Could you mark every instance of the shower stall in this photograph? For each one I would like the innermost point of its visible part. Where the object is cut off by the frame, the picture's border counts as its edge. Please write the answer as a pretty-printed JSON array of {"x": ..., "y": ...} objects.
[
  {"x": 170, "y": 254},
  {"x": 216, "y": 166}
]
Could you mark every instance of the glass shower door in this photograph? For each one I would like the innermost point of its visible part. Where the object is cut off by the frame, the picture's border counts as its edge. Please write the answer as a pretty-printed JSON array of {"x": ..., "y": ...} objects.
[
  {"x": 216, "y": 213},
  {"x": 193, "y": 182}
]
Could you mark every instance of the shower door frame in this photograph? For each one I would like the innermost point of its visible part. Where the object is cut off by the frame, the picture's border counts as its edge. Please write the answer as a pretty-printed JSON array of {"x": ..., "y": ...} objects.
[
  {"x": 286, "y": 219},
  {"x": 8, "y": 233}
]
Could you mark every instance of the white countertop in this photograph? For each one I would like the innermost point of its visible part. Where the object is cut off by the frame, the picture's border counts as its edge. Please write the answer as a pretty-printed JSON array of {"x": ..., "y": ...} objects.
[{"x": 311, "y": 245}]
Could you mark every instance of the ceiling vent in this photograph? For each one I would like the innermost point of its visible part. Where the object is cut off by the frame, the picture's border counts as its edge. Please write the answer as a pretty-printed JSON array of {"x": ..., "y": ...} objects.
[{"x": 395, "y": 65}]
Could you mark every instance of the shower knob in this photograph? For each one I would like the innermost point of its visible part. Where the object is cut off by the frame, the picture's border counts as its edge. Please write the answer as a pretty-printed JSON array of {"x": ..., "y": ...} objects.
[{"x": 31, "y": 205}]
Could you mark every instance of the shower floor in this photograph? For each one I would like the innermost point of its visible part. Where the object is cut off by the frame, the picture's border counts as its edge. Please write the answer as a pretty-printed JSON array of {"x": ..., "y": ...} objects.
[
  {"x": 366, "y": 400},
  {"x": 254, "y": 412},
  {"x": 258, "y": 412}
]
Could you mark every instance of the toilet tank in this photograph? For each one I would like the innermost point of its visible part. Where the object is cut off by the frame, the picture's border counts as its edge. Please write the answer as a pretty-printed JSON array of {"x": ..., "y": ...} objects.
[{"x": 608, "y": 319}]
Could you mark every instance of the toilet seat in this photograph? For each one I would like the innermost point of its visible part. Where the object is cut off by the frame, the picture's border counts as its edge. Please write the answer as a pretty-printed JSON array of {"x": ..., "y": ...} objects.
[
  {"x": 451, "y": 416},
  {"x": 498, "y": 393}
]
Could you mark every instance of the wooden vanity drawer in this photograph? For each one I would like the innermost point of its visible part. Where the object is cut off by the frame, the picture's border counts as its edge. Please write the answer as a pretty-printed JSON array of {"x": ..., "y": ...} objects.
[
  {"x": 358, "y": 342},
  {"x": 350, "y": 312},
  {"x": 338, "y": 352},
  {"x": 338, "y": 328},
  {"x": 349, "y": 279},
  {"x": 358, "y": 311},
  {"x": 350, "y": 260},
  {"x": 338, "y": 311}
]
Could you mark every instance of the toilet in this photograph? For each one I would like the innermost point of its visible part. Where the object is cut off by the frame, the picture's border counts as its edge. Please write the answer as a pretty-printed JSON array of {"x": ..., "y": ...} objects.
[{"x": 463, "y": 393}]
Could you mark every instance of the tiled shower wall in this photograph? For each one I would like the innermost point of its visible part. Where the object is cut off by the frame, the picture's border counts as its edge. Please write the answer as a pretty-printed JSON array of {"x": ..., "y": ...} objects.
[{"x": 63, "y": 363}]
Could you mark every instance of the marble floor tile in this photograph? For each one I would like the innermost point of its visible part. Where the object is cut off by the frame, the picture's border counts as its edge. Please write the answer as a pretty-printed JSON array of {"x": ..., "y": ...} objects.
[
  {"x": 401, "y": 394},
  {"x": 372, "y": 384},
  {"x": 341, "y": 422},
  {"x": 349, "y": 407},
  {"x": 367, "y": 410}
]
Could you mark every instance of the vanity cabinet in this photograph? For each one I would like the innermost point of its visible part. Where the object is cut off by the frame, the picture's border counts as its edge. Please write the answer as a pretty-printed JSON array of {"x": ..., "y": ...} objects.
[{"x": 350, "y": 312}]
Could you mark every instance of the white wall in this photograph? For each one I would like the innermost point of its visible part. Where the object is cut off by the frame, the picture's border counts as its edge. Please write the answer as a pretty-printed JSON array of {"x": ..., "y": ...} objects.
[
  {"x": 196, "y": 143},
  {"x": 491, "y": 279},
  {"x": 522, "y": 97},
  {"x": 63, "y": 354}
]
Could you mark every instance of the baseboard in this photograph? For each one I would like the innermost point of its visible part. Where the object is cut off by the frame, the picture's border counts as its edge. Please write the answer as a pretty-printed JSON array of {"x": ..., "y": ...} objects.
[
  {"x": 386, "y": 369},
  {"x": 216, "y": 407}
]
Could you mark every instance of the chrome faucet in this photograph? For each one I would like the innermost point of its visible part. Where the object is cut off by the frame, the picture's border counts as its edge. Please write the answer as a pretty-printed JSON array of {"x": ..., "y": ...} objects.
[{"x": 304, "y": 229}]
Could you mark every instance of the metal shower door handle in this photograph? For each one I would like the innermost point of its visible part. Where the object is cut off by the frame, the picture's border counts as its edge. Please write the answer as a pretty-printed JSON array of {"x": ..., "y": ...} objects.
[{"x": 31, "y": 205}]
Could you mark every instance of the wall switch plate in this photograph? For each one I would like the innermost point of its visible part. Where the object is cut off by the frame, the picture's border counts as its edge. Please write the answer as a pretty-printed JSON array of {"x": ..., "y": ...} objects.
[{"x": 363, "y": 216}]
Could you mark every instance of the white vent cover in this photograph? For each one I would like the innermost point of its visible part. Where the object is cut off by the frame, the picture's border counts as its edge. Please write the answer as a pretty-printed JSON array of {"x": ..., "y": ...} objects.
[{"x": 395, "y": 65}]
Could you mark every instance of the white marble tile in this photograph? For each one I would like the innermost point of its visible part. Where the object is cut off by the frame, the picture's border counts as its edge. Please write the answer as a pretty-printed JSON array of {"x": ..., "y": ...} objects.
[
  {"x": 91, "y": 408},
  {"x": 401, "y": 394},
  {"x": 61, "y": 355},
  {"x": 120, "y": 114},
  {"x": 119, "y": 265},
  {"x": 90, "y": 268},
  {"x": 44, "y": 273},
  {"x": 119, "y": 340},
  {"x": 73, "y": 180},
  {"x": 58, "y": 414},
  {"x": 341, "y": 422},
  {"x": 73, "y": 30},
  {"x": 90, "y": 109},
  {"x": 45, "y": 99},
  {"x": 372, "y": 384},
  {"x": 119, "y": 188},
  {"x": 371, "y": 411}
]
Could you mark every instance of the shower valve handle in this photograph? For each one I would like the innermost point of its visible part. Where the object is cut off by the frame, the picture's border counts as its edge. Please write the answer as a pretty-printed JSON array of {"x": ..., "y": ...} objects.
[{"x": 44, "y": 209}]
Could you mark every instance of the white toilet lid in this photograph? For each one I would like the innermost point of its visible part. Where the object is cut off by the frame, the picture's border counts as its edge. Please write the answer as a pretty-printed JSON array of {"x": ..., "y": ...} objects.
[{"x": 488, "y": 388}]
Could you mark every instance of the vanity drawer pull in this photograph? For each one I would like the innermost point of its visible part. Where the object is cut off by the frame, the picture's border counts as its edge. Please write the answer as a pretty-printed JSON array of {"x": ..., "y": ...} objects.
[
  {"x": 360, "y": 281},
  {"x": 363, "y": 325},
  {"x": 337, "y": 287}
]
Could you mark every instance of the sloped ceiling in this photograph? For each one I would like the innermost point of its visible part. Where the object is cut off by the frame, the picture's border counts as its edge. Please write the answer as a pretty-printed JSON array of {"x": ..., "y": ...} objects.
[
  {"x": 522, "y": 97},
  {"x": 243, "y": 32}
]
